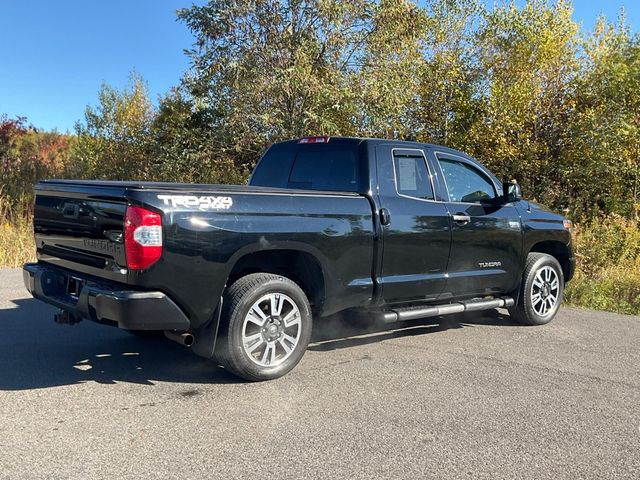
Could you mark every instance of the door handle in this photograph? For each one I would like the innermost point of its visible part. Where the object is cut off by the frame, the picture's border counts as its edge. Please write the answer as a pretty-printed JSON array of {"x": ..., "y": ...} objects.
[
  {"x": 385, "y": 216},
  {"x": 461, "y": 218}
]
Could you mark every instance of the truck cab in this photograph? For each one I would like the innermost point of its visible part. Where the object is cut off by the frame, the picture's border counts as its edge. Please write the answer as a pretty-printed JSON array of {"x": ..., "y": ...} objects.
[{"x": 445, "y": 225}]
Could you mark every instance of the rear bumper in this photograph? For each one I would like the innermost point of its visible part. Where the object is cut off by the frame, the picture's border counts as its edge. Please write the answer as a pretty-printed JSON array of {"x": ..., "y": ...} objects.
[{"x": 104, "y": 302}]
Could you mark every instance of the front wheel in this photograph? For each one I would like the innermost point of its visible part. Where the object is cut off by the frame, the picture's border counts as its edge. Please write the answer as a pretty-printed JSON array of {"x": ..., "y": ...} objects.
[
  {"x": 541, "y": 290},
  {"x": 265, "y": 327}
]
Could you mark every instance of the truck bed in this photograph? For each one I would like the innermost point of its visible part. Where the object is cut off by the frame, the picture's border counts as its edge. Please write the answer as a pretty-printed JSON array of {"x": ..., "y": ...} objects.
[{"x": 206, "y": 229}]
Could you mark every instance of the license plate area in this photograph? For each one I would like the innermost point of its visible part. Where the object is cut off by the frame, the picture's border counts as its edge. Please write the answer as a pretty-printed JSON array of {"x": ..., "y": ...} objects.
[{"x": 74, "y": 287}]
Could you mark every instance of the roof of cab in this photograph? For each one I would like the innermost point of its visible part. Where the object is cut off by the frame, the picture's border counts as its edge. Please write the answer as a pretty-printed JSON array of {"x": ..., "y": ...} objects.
[{"x": 376, "y": 141}]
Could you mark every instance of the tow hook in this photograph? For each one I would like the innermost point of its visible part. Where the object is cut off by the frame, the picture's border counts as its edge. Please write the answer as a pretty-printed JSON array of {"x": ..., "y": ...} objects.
[{"x": 63, "y": 317}]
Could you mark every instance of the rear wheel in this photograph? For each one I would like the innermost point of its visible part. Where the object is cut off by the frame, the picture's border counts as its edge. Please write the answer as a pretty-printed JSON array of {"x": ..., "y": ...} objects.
[
  {"x": 541, "y": 290},
  {"x": 266, "y": 327}
]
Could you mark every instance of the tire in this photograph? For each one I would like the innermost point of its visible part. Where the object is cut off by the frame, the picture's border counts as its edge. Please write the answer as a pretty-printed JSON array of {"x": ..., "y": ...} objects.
[
  {"x": 265, "y": 327},
  {"x": 542, "y": 281}
]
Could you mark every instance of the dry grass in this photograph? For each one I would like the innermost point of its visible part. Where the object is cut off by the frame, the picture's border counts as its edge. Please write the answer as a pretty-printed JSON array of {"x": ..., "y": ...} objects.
[
  {"x": 16, "y": 244},
  {"x": 16, "y": 235}
]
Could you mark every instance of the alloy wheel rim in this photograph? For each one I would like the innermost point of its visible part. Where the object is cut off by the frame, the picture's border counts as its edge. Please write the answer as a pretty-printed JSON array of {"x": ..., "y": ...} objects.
[
  {"x": 545, "y": 291},
  {"x": 271, "y": 329}
]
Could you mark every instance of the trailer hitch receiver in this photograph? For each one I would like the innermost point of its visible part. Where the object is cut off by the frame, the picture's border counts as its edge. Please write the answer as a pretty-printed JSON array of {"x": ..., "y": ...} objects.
[{"x": 64, "y": 317}]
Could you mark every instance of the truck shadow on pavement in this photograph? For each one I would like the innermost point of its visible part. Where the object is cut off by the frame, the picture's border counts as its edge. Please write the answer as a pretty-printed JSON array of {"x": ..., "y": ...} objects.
[
  {"x": 338, "y": 332},
  {"x": 37, "y": 353}
]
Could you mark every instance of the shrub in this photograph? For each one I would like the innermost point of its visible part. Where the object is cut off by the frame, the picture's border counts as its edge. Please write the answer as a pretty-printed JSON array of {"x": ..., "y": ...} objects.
[{"x": 608, "y": 266}]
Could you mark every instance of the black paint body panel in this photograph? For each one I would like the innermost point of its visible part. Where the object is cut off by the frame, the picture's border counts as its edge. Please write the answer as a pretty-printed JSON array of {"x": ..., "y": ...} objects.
[{"x": 421, "y": 256}]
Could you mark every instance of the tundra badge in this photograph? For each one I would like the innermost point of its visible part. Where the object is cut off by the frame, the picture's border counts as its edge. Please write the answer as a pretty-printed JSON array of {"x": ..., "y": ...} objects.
[{"x": 489, "y": 264}]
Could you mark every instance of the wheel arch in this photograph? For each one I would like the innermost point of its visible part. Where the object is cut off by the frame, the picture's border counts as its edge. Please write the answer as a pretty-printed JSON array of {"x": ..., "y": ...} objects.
[
  {"x": 559, "y": 250},
  {"x": 301, "y": 266}
]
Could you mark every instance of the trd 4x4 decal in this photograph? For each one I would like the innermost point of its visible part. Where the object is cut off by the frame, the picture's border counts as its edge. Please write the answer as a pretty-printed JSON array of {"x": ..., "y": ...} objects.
[{"x": 201, "y": 202}]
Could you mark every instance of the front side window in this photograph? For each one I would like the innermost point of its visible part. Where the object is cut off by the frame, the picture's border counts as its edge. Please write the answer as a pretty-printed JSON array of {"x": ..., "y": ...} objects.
[
  {"x": 412, "y": 177},
  {"x": 466, "y": 183}
]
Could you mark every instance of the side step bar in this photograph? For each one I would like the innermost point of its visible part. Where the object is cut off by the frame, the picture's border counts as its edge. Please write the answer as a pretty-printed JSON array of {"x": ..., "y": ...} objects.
[{"x": 413, "y": 313}]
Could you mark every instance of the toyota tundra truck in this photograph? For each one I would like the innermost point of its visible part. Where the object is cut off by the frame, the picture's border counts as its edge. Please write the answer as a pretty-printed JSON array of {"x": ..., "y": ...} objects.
[{"x": 393, "y": 229}]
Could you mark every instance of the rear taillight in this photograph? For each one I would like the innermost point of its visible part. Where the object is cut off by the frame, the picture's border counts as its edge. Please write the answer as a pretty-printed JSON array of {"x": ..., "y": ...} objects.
[{"x": 142, "y": 237}]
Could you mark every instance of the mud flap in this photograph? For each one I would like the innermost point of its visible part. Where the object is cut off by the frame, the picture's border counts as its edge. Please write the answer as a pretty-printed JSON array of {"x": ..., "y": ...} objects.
[{"x": 205, "y": 344}]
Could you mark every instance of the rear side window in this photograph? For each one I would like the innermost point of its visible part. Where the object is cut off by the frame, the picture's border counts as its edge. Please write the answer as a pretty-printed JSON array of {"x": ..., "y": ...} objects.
[
  {"x": 412, "y": 177},
  {"x": 466, "y": 183}
]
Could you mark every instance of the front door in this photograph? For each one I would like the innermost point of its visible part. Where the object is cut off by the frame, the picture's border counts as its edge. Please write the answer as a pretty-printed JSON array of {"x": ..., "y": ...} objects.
[
  {"x": 416, "y": 231},
  {"x": 486, "y": 234}
]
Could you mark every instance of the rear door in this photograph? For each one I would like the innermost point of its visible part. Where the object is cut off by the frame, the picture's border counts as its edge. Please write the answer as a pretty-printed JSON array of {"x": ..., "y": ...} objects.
[
  {"x": 486, "y": 234},
  {"x": 416, "y": 232}
]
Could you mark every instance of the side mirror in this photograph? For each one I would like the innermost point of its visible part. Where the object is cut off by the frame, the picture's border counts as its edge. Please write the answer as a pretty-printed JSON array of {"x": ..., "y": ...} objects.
[{"x": 511, "y": 191}]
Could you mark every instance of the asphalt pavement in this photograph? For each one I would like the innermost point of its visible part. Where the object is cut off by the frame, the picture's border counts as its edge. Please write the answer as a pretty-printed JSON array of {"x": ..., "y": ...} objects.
[{"x": 472, "y": 396}]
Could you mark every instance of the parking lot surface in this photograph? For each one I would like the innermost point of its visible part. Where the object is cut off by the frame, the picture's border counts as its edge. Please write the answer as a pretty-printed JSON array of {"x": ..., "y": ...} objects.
[{"x": 471, "y": 396}]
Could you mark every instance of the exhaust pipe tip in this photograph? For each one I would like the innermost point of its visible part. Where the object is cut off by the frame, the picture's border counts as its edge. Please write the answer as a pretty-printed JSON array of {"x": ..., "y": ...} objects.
[{"x": 183, "y": 338}]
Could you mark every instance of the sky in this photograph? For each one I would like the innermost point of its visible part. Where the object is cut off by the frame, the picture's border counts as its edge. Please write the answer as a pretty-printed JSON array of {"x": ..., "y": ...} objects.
[{"x": 54, "y": 55}]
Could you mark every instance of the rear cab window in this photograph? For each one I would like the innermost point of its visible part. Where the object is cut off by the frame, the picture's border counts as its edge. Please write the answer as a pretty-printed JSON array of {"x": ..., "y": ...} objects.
[{"x": 333, "y": 166}]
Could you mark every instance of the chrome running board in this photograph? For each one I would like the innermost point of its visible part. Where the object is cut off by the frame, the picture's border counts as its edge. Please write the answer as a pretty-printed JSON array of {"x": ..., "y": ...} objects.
[{"x": 412, "y": 313}]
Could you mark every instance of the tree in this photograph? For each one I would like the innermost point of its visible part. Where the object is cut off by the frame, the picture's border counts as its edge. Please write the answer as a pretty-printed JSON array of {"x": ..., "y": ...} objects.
[
  {"x": 185, "y": 149},
  {"x": 387, "y": 81},
  {"x": 26, "y": 156},
  {"x": 449, "y": 92},
  {"x": 270, "y": 70},
  {"x": 602, "y": 148},
  {"x": 530, "y": 62},
  {"x": 113, "y": 139}
]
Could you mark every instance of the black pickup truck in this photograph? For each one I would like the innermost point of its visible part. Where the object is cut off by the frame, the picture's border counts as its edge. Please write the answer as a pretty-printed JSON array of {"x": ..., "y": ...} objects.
[{"x": 399, "y": 230}]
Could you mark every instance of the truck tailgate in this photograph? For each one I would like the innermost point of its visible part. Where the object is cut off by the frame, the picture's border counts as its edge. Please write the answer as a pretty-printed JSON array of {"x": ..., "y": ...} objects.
[{"x": 80, "y": 227}]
